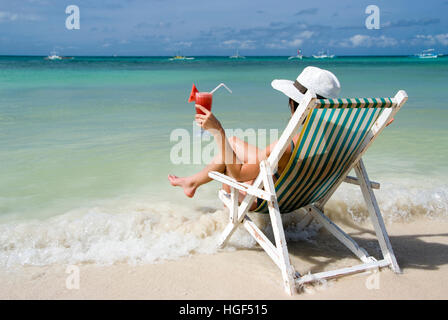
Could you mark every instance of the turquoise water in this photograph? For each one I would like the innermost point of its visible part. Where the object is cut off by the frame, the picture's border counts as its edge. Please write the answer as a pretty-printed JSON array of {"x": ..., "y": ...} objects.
[{"x": 86, "y": 142}]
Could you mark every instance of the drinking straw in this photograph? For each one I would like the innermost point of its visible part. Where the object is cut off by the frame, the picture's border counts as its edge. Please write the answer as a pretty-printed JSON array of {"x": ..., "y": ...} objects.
[{"x": 219, "y": 86}]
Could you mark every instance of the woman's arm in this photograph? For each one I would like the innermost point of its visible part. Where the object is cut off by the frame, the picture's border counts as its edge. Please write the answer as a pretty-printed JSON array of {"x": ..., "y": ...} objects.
[
  {"x": 209, "y": 122},
  {"x": 239, "y": 171}
]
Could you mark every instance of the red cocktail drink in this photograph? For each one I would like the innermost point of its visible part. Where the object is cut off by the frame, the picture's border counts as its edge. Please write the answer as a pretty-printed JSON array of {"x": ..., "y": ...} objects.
[{"x": 204, "y": 99}]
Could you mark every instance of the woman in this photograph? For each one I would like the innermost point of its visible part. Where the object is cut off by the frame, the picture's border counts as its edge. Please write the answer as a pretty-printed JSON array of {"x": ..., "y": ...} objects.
[{"x": 241, "y": 160}]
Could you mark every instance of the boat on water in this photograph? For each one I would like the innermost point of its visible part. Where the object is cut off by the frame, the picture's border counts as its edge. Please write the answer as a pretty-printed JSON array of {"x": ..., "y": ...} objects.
[
  {"x": 427, "y": 54},
  {"x": 180, "y": 57},
  {"x": 54, "y": 57},
  {"x": 323, "y": 55},
  {"x": 298, "y": 56},
  {"x": 237, "y": 56}
]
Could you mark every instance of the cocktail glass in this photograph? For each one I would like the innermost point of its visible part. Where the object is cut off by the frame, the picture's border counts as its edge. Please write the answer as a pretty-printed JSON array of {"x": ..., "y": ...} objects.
[{"x": 204, "y": 99}]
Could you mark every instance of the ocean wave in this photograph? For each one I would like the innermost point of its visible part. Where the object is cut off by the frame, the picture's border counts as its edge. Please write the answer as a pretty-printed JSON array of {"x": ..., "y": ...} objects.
[
  {"x": 137, "y": 232},
  {"x": 397, "y": 203}
]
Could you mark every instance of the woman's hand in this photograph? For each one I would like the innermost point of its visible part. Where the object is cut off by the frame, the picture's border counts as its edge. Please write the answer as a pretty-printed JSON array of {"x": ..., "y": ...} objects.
[{"x": 207, "y": 121}]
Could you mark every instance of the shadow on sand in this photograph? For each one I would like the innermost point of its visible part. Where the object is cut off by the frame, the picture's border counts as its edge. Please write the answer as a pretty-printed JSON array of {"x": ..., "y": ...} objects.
[{"x": 415, "y": 251}]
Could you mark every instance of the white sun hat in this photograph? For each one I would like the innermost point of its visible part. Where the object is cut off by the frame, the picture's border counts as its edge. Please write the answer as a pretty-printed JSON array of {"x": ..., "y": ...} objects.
[{"x": 322, "y": 82}]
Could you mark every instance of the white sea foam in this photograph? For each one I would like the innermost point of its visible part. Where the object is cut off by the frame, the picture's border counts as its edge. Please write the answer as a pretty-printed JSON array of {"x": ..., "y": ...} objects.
[
  {"x": 131, "y": 231},
  {"x": 397, "y": 203}
]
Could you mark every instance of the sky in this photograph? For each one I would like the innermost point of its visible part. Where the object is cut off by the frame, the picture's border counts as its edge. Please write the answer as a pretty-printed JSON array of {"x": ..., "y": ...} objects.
[{"x": 210, "y": 27}]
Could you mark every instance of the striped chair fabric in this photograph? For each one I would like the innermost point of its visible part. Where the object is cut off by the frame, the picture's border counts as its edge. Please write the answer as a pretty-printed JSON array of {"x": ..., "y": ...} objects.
[{"x": 330, "y": 139}]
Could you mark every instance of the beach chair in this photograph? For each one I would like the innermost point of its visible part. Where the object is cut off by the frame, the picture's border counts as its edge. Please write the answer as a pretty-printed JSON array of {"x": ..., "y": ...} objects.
[{"x": 334, "y": 135}]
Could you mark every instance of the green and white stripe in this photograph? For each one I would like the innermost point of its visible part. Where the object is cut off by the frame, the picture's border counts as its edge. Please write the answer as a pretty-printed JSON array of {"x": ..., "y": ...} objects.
[{"x": 332, "y": 134}]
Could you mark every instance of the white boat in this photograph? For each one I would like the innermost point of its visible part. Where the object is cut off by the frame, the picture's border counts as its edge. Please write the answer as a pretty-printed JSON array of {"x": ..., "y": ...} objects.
[
  {"x": 237, "y": 56},
  {"x": 322, "y": 55},
  {"x": 181, "y": 58},
  {"x": 427, "y": 54},
  {"x": 298, "y": 56},
  {"x": 53, "y": 56},
  {"x": 178, "y": 57}
]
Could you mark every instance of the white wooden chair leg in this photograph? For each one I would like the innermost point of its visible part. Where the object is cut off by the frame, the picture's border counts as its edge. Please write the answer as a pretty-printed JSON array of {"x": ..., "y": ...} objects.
[
  {"x": 234, "y": 205},
  {"x": 375, "y": 216},
  {"x": 262, "y": 240},
  {"x": 226, "y": 234},
  {"x": 348, "y": 241},
  {"x": 242, "y": 210},
  {"x": 279, "y": 234},
  {"x": 228, "y": 201},
  {"x": 306, "y": 221}
]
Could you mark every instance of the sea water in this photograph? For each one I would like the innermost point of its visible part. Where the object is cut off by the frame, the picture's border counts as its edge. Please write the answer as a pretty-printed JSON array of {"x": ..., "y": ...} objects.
[{"x": 85, "y": 150}]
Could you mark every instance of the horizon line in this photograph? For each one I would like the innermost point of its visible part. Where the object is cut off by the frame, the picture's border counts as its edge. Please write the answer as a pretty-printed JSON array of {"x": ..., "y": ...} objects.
[{"x": 204, "y": 56}]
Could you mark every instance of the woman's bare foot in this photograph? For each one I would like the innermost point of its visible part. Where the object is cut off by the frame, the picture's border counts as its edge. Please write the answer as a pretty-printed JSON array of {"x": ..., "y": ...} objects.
[{"x": 186, "y": 183}]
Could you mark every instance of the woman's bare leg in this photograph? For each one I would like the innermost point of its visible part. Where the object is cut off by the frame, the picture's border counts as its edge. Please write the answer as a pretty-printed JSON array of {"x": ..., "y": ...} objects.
[
  {"x": 245, "y": 152},
  {"x": 191, "y": 183},
  {"x": 241, "y": 194}
]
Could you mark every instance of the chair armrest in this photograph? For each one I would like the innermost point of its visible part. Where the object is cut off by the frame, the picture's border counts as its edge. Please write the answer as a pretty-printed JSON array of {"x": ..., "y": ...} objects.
[
  {"x": 353, "y": 180},
  {"x": 241, "y": 186}
]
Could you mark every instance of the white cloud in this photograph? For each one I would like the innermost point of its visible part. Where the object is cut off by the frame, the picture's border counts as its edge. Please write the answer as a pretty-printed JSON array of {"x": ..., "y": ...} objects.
[
  {"x": 293, "y": 43},
  {"x": 248, "y": 44},
  {"x": 282, "y": 44},
  {"x": 361, "y": 40},
  {"x": 425, "y": 39},
  {"x": 430, "y": 40},
  {"x": 229, "y": 43},
  {"x": 442, "y": 38},
  {"x": 242, "y": 44},
  {"x": 306, "y": 34},
  {"x": 6, "y": 16},
  {"x": 186, "y": 44}
]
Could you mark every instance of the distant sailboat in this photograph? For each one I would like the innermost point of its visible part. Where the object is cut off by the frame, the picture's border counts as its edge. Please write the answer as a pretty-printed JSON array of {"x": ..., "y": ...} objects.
[
  {"x": 298, "y": 56},
  {"x": 322, "y": 55},
  {"x": 427, "y": 54},
  {"x": 237, "y": 56},
  {"x": 180, "y": 57},
  {"x": 54, "y": 57}
]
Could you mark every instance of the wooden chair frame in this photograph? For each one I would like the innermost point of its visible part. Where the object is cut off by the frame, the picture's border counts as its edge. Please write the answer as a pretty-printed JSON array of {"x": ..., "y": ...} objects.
[{"x": 278, "y": 252}]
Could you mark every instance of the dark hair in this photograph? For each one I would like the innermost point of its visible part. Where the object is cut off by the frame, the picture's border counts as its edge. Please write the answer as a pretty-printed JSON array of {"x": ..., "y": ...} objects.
[{"x": 294, "y": 104}]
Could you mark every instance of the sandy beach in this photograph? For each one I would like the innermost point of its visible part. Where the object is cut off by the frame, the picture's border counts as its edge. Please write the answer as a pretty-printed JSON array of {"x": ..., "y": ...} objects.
[
  {"x": 421, "y": 248},
  {"x": 110, "y": 167}
]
